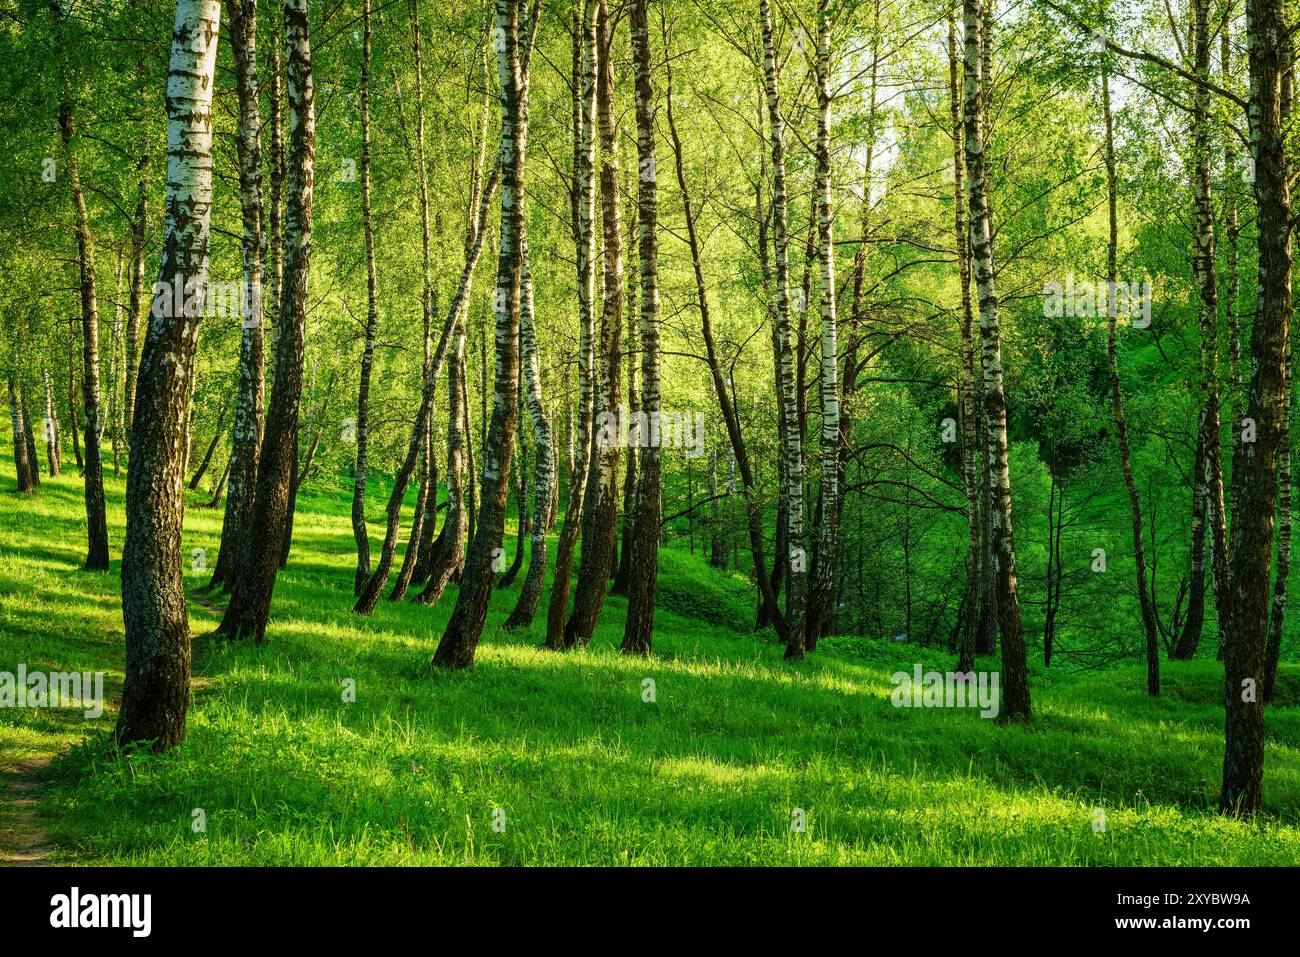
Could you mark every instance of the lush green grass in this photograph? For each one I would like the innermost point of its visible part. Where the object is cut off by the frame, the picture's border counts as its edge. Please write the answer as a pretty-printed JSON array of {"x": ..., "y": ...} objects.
[{"x": 586, "y": 771}]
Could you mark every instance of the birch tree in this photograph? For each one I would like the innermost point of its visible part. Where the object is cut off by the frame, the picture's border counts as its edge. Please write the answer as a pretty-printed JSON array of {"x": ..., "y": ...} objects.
[
  {"x": 53, "y": 444},
  {"x": 584, "y": 208},
  {"x": 155, "y": 694},
  {"x": 600, "y": 507},
  {"x": 1117, "y": 400},
  {"x": 362, "y": 469},
  {"x": 1256, "y": 462},
  {"x": 1015, "y": 681},
  {"x": 250, "y": 599},
  {"x": 787, "y": 399},
  {"x": 822, "y": 597},
  {"x": 638, "y": 631},
  {"x": 544, "y": 440},
  {"x": 92, "y": 428},
  {"x": 460, "y": 639},
  {"x": 1207, "y": 497},
  {"x": 24, "y": 467},
  {"x": 249, "y": 398}
]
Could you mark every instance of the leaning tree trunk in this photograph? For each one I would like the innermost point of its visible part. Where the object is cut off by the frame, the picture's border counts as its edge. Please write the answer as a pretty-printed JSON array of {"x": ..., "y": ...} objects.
[
  {"x": 584, "y": 168},
  {"x": 1014, "y": 666},
  {"x": 822, "y": 597},
  {"x": 206, "y": 462},
  {"x": 422, "y": 513},
  {"x": 236, "y": 542},
  {"x": 1255, "y": 462},
  {"x": 250, "y": 599},
  {"x": 96, "y": 520},
  {"x": 460, "y": 639},
  {"x": 638, "y": 631},
  {"x": 600, "y": 510},
  {"x": 425, "y": 493},
  {"x": 156, "y": 691},
  {"x": 359, "y": 532},
  {"x": 769, "y": 607},
  {"x": 449, "y": 548},
  {"x": 521, "y": 505},
  {"x": 220, "y": 489},
  {"x": 544, "y": 469},
  {"x": 378, "y": 579},
  {"x": 1117, "y": 400}
]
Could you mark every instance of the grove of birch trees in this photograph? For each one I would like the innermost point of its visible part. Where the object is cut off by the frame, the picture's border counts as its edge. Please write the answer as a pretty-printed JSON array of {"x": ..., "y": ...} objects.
[{"x": 958, "y": 324}]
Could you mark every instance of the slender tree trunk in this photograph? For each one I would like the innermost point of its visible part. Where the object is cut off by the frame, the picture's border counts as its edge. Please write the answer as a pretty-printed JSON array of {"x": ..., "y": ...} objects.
[
  {"x": 634, "y": 441},
  {"x": 1255, "y": 463},
  {"x": 600, "y": 510},
  {"x": 792, "y": 440},
  {"x": 113, "y": 419},
  {"x": 73, "y": 418},
  {"x": 362, "y": 471},
  {"x": 638, "y": 631},
  {"x": 250, "y": 599},
  {"x": 1208, "y": 495},
  {"x": 459, "y": 640},
  {"x": 428, "y": 306},
  {"x": 521, "y": 506},
  {"x": 1217, "y": 508},
  {"x": 421, "y": 515},
  {"x": 378, "y": 579},
  {"x": 24, "y": 468},
  {"x": 236, "y": 542},
  {"x": 220, "y": 490},
  {"x": 544, "y": 469},
  {"x": 822, "y": 596},
  {"x": 202, "y": 470},
  {"x": 1117, "y": 402},
  {"x": 29, "y": 437},
  {"x": 449, "y": 549},
  {"x": 584, "y": 168},
  {"x": 96, "y": 521},
  {"x": 1016, "y": 703},
  {"x": 155, "y": 695},
  {"x": 368, "y": 597},
  {"x": 136, "y": 307},
  {"x": 970, "y": 432},
  {"x": 1194, "y": 622},
  {"x": 53, "y": 445}
]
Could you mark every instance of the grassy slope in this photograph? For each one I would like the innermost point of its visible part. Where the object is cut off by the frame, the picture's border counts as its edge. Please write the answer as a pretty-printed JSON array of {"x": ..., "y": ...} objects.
[{"x": 585, "y": 770}]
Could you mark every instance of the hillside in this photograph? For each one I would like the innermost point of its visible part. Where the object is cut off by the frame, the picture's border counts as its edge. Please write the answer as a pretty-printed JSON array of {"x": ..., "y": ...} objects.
[{"x": 714, "y": 770}]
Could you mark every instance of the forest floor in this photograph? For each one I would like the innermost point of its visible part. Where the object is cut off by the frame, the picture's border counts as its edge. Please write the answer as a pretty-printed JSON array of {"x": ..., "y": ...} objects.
[{"x": 535, "y": 757}]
